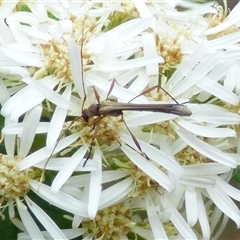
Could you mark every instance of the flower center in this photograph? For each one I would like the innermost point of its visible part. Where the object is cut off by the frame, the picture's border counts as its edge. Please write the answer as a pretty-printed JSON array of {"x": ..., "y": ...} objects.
[
  {"x": 189, "y": 156},
  {"x": 105, "y": 131},
  {"x": 143, "y": 183},
  {"x": 111, "y": 223},
  {"x": 56, "y": 58},
  {"x": 13, "y": 183}
]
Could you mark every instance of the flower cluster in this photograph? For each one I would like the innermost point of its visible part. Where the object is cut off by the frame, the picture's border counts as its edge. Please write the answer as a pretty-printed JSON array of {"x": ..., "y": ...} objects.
[{"x": 123, "y": 115}]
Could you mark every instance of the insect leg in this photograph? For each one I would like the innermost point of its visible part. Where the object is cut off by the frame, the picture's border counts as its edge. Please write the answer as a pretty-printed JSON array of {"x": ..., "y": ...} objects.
[{"x": 134, "y": 140}]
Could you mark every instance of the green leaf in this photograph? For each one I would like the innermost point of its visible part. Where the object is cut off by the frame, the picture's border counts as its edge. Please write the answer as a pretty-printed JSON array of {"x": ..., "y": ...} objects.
[{"x": 236, "y": 175}]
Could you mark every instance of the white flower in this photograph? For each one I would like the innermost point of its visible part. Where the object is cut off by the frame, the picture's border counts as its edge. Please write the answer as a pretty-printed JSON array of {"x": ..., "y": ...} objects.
[
  {"x": 16, "y": 184},
  {"x": 116, "y": 220}
]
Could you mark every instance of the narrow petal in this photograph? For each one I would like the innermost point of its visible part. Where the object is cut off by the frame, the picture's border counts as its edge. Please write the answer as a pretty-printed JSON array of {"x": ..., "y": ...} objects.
[
  {"x": 60, "y": 199},
  {"x": 46, "y": 153},
  {"x": 95, "y": 186},
  {"x": 57, "y": 121},
  {"x": 205, "y": 131},
  {"x": 178, "y": 220},
  {"x": 115, "y": 193},
  {"x": 30, "y": 124},
  {"x": 203, "y": 218},
  {"x": 154, "y": 220},
  {"x": 191, "y": 205},
  {"x": 224, "y": 203},
  {"x": 156, "y": 155},
  {"x": 206, "y": 169},
  {"x": 45, "y": 220},
  {"x": 49, "y": 94},
  {"x": 76, "y": 67},
  {"x": 206, "y": 149},
  {"x": 68, "y": 169},
  {"x": 28, "y": 221},
  {"x": 149, "y": 168}
]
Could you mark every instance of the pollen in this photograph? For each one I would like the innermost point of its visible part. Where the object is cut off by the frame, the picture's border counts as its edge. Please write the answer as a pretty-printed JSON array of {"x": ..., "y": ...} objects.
[
  {"x": 13, "y": 183},
  {"x": 188, "y": 156},
  {"x": 143, "y": 183},
  {"x": 170, "y": 50},
  {"x": 215, "y": 19},
  {"x": 111, "y": 223},
  {"x": 56, "y": 58},
  {"x": 105, "y": 131}
]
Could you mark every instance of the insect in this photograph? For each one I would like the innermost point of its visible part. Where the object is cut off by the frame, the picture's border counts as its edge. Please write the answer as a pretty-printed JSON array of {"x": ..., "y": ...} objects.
[{"x": 115, "y": 109}]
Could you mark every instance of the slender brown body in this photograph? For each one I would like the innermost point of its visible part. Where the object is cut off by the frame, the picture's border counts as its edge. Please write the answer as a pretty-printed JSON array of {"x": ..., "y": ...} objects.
[{"x": 115, "y": 109}]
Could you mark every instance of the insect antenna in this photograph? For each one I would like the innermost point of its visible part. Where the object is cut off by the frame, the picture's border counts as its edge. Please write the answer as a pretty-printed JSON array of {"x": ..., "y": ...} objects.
[
  {"x": 81, "y": 66},
  {"x": 151, "y": 89}
]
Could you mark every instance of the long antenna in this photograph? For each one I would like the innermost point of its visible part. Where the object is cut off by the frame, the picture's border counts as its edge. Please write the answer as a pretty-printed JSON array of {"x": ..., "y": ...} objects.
[{"x": 81, "y": 65}]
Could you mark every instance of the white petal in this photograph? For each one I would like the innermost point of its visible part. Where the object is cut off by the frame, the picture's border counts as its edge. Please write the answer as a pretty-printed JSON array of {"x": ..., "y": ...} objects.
[
  {"x": 76, "y": 67},
  {"x": 46, "y": 153},
  {"x": 225, "y": 41},
  {"x": 203, "y": 218},
  {"x": 132, "y": 63},
  {"x": 28, "y": 221},
  {"x": 145, "y": 118},
  {"x": 24, "y": 58},
  {"x": 206, "y": 131},
  {"x": 198, "y": 181},
  {"x": 123, "y": 32},
  {"x": 118, "y": 91},
  {"x": 25, "y": 99},
  {"x": 49, "y": 94},
  {"x": 206, "y": 149},
  {"x": 228, "y": 189},
  {"x": 144, "y": 233},
  {"x": 218, "y": 90},
  {"x": 30, "y": 124},
  {"x": 224, "y": 25},
  {"x": 115, "y": 193},
  {"x": 225, "y": 204},
  {"x": 149, "y": 168},
  {"x": 12, "y": 216},
  {"x": 186, "y": 66},
  {"x": 155, "y": 222},
  {"x": 178, "y": 220},
  {"x": 45, "y": 220},
  {"x": 142, "y": 9},
  {"x": 206, "y": 169},
  {"x": 95, "y": 186},
  {"x": 4, "y": 93},
  {"x": 214, "y": 114},
  {"x": 7, "y": 8},
  {"x": 156, "y": 155},
  {"x": 215, "y": 216},
  {"x": 205, "y": 65},
  {"x": 56, "y": 164},
  {"x": 191, "y": 205},
  {"x": 17, "y": 128},
  {"x": 57, "y": 120},
  {"x": 68, "y": 169},
  {"x": 60, "y": 199},
  {"x": 221, "y": 227},
  {"x": 9, "y": 140}
]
